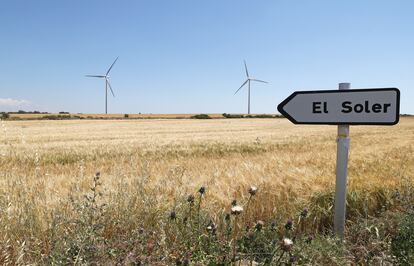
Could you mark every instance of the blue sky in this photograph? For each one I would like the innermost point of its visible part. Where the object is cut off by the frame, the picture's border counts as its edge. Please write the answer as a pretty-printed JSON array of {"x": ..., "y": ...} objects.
[{"x": 186, "y": 56}]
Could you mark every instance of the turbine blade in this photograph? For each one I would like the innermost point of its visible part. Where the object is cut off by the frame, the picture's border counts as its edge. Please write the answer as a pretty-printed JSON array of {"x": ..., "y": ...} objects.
[
  {"x": 107, "y": 72},
  {"x": 241, "y": 86},
  {"x": 245, "y": 68},
  {"x": 94, "y": 76},
  {"x": 259, "y": 80},
  {"x": 110, "y": 87}
]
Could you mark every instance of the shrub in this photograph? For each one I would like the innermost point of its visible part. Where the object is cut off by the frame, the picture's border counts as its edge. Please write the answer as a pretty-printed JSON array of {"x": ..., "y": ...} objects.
[
  {"x": 201, "y": 116},
  {"x": 232, "y": 115},
  {"x": 248, "y": 116},
  {"x": 126, "y": 115},
  {"x": 264, "y": 116},
  {"x": 56, "y": 117},
  {"x": 5, "y": 116}
]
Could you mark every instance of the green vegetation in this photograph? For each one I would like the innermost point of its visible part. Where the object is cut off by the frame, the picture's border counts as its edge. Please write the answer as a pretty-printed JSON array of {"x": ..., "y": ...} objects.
[
  {"x": 56, "y": 117},
  {"x": 4, "y": 116},
  {"x": 201, "y": 116},
  {"x": 402, "y": 244},
  {"x": 232, "y": 116},
  {"x": 250, "y": 116},
  {"x": 28, "y": 112}
]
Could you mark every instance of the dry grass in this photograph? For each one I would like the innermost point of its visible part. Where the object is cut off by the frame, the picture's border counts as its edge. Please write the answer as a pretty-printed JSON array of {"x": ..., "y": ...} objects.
[
  {"x": 223, "y": 154},
  {"x": 42, "y": 163}
]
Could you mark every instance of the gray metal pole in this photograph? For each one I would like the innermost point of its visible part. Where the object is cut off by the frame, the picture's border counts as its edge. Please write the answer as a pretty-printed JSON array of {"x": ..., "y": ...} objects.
[
  {"x": 106, "y": 96},
  {"x": 341, "y": 174},
  {"x": 248, "y": 99}
]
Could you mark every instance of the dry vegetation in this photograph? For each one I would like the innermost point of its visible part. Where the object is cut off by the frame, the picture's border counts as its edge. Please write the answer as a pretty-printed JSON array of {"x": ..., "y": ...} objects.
[{"x": 149, "y": 167}]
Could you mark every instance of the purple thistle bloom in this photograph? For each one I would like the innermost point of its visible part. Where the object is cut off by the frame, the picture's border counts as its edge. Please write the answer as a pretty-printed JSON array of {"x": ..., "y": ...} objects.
[
  {"x": 202, "y": 190},
  {"x": 190, "y": 199},
  {"x": 309, "y": 239},
  {"x": 304, "y": 213},
  {"x": 234, "y": 203},
  {"x": 289, "y": 224}
]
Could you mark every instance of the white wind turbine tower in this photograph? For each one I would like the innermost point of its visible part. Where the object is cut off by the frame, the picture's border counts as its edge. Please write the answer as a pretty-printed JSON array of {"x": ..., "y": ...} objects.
[
  {"x": 107, "y": 84},
  {"x": 248, "y": 80}
]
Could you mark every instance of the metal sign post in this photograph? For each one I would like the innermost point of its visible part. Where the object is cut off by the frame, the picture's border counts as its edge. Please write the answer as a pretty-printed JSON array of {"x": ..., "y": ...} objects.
[
  {"x": 342, "y": 156},
  {"x": 342, "y": 107}
]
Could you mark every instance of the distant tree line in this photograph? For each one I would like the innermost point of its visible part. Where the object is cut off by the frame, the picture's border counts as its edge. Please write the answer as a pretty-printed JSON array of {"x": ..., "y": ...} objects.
[
  {"x": 250, "y": 116},
  {"x": 27, "y": 112}
]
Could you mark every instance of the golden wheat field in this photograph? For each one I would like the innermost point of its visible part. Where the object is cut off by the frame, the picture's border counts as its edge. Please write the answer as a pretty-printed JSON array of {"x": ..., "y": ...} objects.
[
  {"x": 49, "y": 157},
  {"x": 149, "y": 167}
]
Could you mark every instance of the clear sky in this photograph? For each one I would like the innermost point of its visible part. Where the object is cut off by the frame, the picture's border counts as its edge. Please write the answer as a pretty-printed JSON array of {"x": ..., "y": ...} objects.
[{"x": 186, "y": 56}]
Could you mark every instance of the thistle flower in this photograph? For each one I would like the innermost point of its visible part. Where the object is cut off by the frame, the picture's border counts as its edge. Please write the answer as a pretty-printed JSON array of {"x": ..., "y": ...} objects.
[
  {"x": 190, "y": 199},
  {"x": 236, "y": 210},
  {"x": 286, "y": 244},
  {"x": 304, "y": 213},
  {"x": 253, "y": 190},
  {"x": 173, "y": 215},
  {"x": 259, "y": 225},
  {"x": 202, "y": 190},
  {"x": 309, "y": 239},
  {"x": 211, "y": 227},
  {"x": 98, "y": 174},
  {"x": 289, "y": 224},
  {"x": 227, "y": 217},
  {"x": 273, "y": 226},
  {"x": 292, "y": 259},
  {"x": 234, "y": 203}
]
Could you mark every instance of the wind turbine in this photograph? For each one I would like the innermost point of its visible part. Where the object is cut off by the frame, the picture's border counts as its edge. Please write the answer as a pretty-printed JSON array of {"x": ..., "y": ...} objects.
[
  {"x": 107, "y": 84},
  {"x": 248, "y": 80}
]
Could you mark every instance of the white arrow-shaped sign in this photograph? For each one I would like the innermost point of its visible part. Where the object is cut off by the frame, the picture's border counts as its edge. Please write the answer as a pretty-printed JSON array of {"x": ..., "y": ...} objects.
[{"x": 334, "y": 107}]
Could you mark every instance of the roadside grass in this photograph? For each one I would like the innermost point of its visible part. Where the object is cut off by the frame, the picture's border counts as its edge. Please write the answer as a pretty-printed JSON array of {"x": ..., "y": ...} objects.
[{"x": 138, "y": 228}]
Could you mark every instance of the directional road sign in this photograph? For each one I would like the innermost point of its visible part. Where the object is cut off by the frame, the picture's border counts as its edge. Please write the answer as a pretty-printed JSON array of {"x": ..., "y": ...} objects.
[{"x": 338, "y": 107}]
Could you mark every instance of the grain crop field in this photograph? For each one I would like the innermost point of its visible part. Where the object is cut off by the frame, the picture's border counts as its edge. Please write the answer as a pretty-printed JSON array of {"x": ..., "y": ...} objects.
[{"x": 149, "y": 167}]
